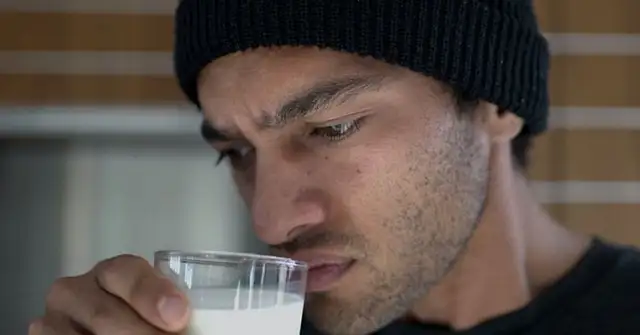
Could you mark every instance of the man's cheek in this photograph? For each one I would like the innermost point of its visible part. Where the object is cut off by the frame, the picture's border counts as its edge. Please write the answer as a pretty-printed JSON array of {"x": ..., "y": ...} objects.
[{"x": 246, "y": 189}]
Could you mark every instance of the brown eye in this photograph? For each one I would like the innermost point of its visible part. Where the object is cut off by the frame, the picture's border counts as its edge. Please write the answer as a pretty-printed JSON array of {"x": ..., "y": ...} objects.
[{"x": 339, "y": 131}]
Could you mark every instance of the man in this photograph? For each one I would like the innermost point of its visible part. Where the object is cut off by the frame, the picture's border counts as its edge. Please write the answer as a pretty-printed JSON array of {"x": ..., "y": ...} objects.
[{"x": 389, "y": 139}]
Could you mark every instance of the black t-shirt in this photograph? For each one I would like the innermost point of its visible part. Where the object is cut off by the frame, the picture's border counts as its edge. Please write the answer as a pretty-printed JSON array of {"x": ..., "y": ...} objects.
[{"x": 599, "y": 296}]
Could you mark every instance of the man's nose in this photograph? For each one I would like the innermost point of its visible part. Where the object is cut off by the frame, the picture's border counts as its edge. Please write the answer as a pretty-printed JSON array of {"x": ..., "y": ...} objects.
[{"x": 285, "y": 203}]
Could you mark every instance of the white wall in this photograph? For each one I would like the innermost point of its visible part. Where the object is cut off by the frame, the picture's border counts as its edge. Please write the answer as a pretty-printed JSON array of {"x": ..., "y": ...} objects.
[
  {"x": 141, "y": 195},
  {"x": 30, "y": 228},
  {"x": 64, "y": 205}
]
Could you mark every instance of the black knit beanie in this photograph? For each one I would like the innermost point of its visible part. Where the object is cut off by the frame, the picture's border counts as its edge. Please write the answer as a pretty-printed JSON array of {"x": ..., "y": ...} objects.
[{"x": 488, "y": 49}]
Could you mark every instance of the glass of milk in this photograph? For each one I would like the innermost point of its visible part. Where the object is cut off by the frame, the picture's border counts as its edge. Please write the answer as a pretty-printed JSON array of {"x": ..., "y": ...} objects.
[{"x": 240, "y": 294}]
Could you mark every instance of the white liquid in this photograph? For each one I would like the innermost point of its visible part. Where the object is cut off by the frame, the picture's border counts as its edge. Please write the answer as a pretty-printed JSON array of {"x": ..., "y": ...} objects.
[{"x": 225, "y": 311}]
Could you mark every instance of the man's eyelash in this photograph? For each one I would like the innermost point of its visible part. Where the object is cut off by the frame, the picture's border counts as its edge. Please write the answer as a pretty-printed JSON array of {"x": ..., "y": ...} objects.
[
  {"x": 221, "y": 157},
  {"x": 351, "y": 128},
  {"x": 234, "y": 154}
]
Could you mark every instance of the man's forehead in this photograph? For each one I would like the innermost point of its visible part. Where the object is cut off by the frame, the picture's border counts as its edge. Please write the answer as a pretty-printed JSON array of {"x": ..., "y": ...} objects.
[{"x": 292, "y": 63}]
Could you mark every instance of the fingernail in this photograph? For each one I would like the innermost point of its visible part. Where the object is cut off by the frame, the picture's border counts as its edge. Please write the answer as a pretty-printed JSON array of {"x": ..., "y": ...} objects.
[{"x": 172, "y": 310}]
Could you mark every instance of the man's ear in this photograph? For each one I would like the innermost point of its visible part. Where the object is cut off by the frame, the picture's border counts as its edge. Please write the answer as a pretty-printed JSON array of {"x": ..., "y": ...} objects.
[{"x": 501, "y": 127}]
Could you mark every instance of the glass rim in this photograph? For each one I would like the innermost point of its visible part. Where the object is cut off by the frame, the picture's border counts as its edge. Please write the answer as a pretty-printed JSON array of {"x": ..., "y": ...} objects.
[{"x": 204, "y": 256}]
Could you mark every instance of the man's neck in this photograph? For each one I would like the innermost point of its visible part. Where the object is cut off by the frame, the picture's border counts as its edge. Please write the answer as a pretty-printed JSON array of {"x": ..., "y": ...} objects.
[{"x": 516, "y": 251}]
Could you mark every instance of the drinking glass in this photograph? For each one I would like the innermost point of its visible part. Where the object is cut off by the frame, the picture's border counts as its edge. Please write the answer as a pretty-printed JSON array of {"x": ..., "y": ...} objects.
[{"x": 236, "y": 293}]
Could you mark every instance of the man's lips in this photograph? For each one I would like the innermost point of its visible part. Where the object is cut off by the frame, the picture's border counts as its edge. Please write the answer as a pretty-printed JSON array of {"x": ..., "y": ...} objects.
[
  {"x": 324, "y": 270},
  {"x": 322, "y": 277}
]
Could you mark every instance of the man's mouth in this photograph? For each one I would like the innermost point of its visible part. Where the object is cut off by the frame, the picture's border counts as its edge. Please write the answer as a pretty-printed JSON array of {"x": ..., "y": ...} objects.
[
  {"x": 324, "y": 271},
  {"x": 322, "y": 277}
]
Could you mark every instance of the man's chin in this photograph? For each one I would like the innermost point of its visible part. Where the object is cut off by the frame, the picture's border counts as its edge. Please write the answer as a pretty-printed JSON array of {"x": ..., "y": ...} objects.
[
  {"x": 328, "y": 315},
  {"x": 332, "y": 316},
  {"x": 339, "y": 309}
]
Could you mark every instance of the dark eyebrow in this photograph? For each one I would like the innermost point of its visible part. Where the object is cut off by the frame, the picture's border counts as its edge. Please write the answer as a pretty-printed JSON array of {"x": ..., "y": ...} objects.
[
  {"x": 322, "y": 96},
  {"x": 210, "y": 134}
]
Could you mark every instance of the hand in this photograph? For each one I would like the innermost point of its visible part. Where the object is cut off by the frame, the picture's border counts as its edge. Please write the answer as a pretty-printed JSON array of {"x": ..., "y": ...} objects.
[{"x": 122, "y": 295}]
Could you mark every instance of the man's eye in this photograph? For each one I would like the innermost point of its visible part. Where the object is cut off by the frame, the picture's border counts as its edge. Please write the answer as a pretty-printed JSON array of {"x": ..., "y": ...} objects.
[
  {"x": 339, "y": 131},
  {"x": 236, "y": 155}
]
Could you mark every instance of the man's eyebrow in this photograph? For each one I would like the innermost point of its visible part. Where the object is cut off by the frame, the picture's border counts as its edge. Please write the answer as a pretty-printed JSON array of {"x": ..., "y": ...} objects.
[
  {"x": 211, "y": 134},
  {"x": 322, "y": 96}
]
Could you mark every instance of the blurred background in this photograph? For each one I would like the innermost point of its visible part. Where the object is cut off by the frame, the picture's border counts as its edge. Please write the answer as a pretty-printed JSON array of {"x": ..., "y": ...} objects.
[{"x": 100, "y": 154}]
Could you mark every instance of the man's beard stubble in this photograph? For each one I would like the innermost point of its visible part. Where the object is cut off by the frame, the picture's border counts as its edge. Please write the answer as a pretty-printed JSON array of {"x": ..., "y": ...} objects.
[
  {"x": 422, "y": 256},
  {"x": 386, "y": 294},
  {"x": 425, "y": 240}
]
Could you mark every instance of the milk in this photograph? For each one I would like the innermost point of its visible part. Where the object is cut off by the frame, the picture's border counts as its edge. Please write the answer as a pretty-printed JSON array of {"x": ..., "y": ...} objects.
[{"x": 229, "y": 311}]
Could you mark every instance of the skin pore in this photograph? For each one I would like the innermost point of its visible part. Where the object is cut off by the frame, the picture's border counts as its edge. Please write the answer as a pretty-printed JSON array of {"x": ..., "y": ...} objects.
[{"x": 355, "y": 158}]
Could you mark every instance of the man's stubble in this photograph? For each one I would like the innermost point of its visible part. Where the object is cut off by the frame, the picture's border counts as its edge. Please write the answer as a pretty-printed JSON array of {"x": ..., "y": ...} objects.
[{"x": 438, "y": 200}]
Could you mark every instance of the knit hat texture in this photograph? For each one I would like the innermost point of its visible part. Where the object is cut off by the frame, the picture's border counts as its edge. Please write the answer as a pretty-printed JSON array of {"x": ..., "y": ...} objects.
[{"x": 488, "y": 49}]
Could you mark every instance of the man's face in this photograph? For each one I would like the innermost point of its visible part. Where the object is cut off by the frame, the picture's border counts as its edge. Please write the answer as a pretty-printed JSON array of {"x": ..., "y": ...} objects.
[{"x": 349, "y": 160}]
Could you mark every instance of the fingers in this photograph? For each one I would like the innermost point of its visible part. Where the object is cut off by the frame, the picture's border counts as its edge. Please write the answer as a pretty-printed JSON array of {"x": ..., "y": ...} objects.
[
  {"x": 84, "y": 304},
  {"x": 153, "y": 297},
  {"x": 120, "y": 296},
  {"x": 53, "y": 326}
]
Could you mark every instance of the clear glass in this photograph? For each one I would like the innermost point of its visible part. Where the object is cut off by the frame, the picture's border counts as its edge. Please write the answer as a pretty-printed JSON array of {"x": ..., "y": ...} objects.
[{"x": 240, "y": 294}]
